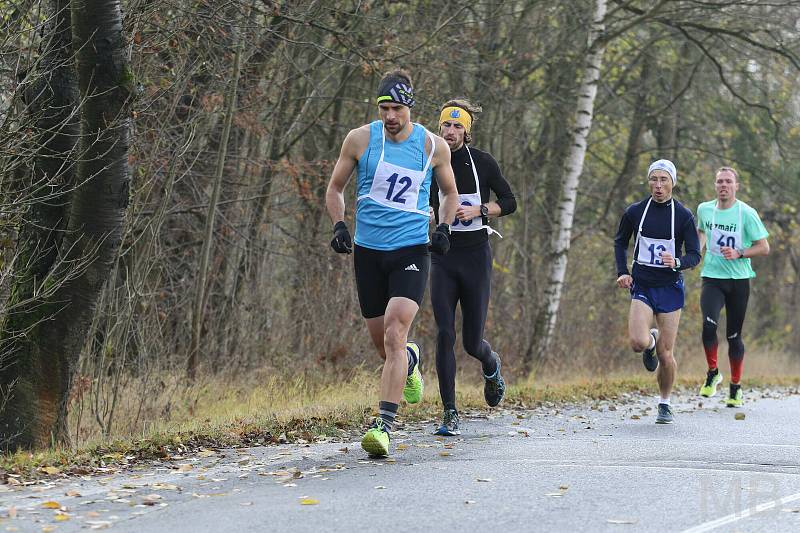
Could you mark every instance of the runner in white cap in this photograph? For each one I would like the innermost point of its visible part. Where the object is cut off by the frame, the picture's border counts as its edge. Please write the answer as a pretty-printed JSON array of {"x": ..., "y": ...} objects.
[{"x": 663, "y": 227}]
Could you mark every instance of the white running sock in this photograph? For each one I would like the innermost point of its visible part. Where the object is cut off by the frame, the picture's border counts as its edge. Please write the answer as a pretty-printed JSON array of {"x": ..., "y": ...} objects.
[
  {"x": 665, "y": 401},
  {"x": 652, "y": 342}
]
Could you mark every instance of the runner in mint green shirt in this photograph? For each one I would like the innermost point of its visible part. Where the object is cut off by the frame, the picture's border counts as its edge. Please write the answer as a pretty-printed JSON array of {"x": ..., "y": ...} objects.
[{"x": 731, "y": 233}]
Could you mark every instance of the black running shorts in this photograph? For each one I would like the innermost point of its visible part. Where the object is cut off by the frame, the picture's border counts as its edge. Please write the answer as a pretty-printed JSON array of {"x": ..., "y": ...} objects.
[{"x": 382, "y": 275}]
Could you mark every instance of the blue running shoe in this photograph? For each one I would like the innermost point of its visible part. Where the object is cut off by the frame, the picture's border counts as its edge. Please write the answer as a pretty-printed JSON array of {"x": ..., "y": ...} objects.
[
  {"x": 449, "y": 427},
  {"x": 494, "y": 386}
]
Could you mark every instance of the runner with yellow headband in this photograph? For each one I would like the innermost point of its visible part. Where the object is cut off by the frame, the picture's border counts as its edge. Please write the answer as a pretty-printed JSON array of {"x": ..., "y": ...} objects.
[{"x": 464, "y": 275}]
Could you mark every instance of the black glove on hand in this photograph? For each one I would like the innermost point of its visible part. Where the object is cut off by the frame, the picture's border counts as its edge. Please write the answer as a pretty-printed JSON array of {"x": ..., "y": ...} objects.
[
  {"x": 440, "y": 239},
  {"x": 341, "y": 243}
]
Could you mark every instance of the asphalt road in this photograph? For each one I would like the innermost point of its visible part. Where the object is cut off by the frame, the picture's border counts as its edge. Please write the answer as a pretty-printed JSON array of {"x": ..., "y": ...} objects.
[{"x": 603, "y": 466}]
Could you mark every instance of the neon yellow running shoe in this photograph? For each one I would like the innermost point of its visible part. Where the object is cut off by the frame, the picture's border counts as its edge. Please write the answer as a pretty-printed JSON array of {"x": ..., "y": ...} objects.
[
  {"x": 713, "y": 378},
  {"x": 376, "y": 440},
  {"x": 735, "y": 397},
  {"x": 412, "y": 392}
]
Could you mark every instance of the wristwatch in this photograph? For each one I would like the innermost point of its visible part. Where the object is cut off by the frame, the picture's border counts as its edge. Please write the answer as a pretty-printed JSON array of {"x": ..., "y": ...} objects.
[
  {"x": 484, "y": 210},
  {"x": 741, "y": 253},
  {"x": 677, "y": 264}
]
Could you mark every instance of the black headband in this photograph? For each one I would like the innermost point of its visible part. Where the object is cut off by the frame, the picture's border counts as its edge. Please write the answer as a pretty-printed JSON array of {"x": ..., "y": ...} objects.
[{"x": 394, "y": 90}]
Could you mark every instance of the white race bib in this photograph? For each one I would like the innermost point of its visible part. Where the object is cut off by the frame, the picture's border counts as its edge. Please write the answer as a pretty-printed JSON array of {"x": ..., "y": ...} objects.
[
  {"x": 650, "y": 249},
  {"x": 398, "y": 187},
  {"x": 720, "y": 237},
  {"x": 469, "y": 200}
]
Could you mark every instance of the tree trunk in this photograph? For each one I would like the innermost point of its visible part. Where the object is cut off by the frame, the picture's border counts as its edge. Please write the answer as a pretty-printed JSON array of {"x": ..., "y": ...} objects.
[
  {"x": 56, "y": 328},
  {"x": 25, "y": 374},
  {"x": 572, "y": 172}
]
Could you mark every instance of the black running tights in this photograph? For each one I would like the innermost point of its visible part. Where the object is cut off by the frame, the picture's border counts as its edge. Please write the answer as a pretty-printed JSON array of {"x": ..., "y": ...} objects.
[{"x": 463, "y": 275}]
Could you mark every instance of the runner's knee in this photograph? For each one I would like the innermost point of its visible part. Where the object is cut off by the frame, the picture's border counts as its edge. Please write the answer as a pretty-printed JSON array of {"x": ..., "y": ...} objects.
[
  {"x": 639, "y": 344},
  {"x": 709, "y": 332},
  {"x": 473, "y": 344},
  {"x": 394, "y": 337},
  {"x": 446, "y": 337},
  {"x": 736, "y": 347}
]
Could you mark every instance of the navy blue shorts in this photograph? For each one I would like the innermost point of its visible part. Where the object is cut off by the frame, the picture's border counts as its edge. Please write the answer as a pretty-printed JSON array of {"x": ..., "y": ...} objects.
[{"x": 661, "y": 299}]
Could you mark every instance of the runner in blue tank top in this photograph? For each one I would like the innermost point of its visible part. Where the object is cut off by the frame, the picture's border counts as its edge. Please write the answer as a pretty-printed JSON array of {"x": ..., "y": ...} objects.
[{"x": 395, "y": 160}]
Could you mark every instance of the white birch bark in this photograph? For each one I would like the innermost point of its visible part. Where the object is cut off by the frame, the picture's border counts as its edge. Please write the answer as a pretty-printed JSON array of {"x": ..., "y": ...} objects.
[{"x": 572, "y": 172}]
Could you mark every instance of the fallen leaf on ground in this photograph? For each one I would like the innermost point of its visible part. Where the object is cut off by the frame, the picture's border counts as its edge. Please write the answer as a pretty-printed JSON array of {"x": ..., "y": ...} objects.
[
  {"x": 62, "y": 517},
  {"x": 48, "y": 529},
  {"x": 206, "y": 453},
  {"x": 164, "y": 486},
  {"x": 380, "y": 487},
  {"x": 444, "y": 454},
  {"x": 52, "y": 470},
  {"x": 402, "y": 447},
  {"x": 309, "y": 501},
  {"x": 635, "y": 417},
  {"x": 185, "y": 468},
  {"x": 484, "y": 480},
  {"x": 73, "y": 493},
  {"x": 563, "y": 487},
  {"x": 51, "y": 505},
  {"x": 739, "y": 416}
]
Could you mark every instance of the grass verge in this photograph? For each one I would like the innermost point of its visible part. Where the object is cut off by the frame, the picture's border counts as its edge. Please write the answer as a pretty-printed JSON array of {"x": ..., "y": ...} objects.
[{"x": 276, "y": 411}]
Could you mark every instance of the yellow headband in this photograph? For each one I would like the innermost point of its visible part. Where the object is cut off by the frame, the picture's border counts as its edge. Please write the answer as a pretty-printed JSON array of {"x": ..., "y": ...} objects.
[{"x": 456, "y": 114}]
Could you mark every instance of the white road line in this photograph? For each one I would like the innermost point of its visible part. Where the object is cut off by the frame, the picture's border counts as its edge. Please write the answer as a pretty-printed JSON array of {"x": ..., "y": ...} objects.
[{"x": 760, "y": 508}]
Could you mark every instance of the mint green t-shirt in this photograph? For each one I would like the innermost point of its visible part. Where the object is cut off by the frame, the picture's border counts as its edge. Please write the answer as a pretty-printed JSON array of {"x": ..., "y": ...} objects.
[{"x": 737, "y": 227}]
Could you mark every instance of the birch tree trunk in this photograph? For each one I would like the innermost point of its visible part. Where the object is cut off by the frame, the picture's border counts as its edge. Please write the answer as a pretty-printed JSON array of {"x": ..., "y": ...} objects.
[{"x": 562, "y": 233}]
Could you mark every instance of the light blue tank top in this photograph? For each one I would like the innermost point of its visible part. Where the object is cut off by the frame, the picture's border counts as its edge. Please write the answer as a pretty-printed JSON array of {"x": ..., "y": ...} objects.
[{"x": 380, "y": 227}]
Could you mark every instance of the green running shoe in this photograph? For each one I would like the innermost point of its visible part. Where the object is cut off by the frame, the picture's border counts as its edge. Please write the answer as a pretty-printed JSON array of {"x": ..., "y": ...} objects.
[
  {"x": 713, "y": 378},
  {"x": 376, "y": 440},
  {"x": 735, "y": 397},
  {"x": 415, "y": 386}
]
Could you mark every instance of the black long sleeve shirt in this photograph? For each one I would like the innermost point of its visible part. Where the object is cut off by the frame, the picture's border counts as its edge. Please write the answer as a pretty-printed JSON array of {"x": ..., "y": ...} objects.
[
  {"x": 657, "y": 225},
  {"x": 490, "y": 179}
]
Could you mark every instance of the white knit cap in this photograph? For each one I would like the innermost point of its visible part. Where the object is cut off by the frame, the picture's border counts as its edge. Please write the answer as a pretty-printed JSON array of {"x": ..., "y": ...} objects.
[{"x": 667, "y": 166}]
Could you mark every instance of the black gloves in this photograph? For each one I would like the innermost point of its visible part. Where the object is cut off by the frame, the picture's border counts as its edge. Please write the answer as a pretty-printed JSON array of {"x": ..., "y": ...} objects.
[
  {"x": 342, "y": 243},
  {"x": 440, "y": 239}
]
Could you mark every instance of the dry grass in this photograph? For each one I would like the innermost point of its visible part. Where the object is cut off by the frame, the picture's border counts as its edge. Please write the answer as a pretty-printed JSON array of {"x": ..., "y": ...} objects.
[{"x": 271, "y": 409}]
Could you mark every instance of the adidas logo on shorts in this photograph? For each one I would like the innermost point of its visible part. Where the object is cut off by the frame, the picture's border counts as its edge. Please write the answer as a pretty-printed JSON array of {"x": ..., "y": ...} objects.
[{"x": 413, "y": 267}]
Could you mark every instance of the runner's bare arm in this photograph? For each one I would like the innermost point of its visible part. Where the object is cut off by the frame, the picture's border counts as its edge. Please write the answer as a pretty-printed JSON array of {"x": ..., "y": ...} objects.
[
  {"x": 701, "y": 236},
  {"x": 446, "y": 180},
  {"x": 353, "y": 145},
  {"x": 757, "y": 248}
]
